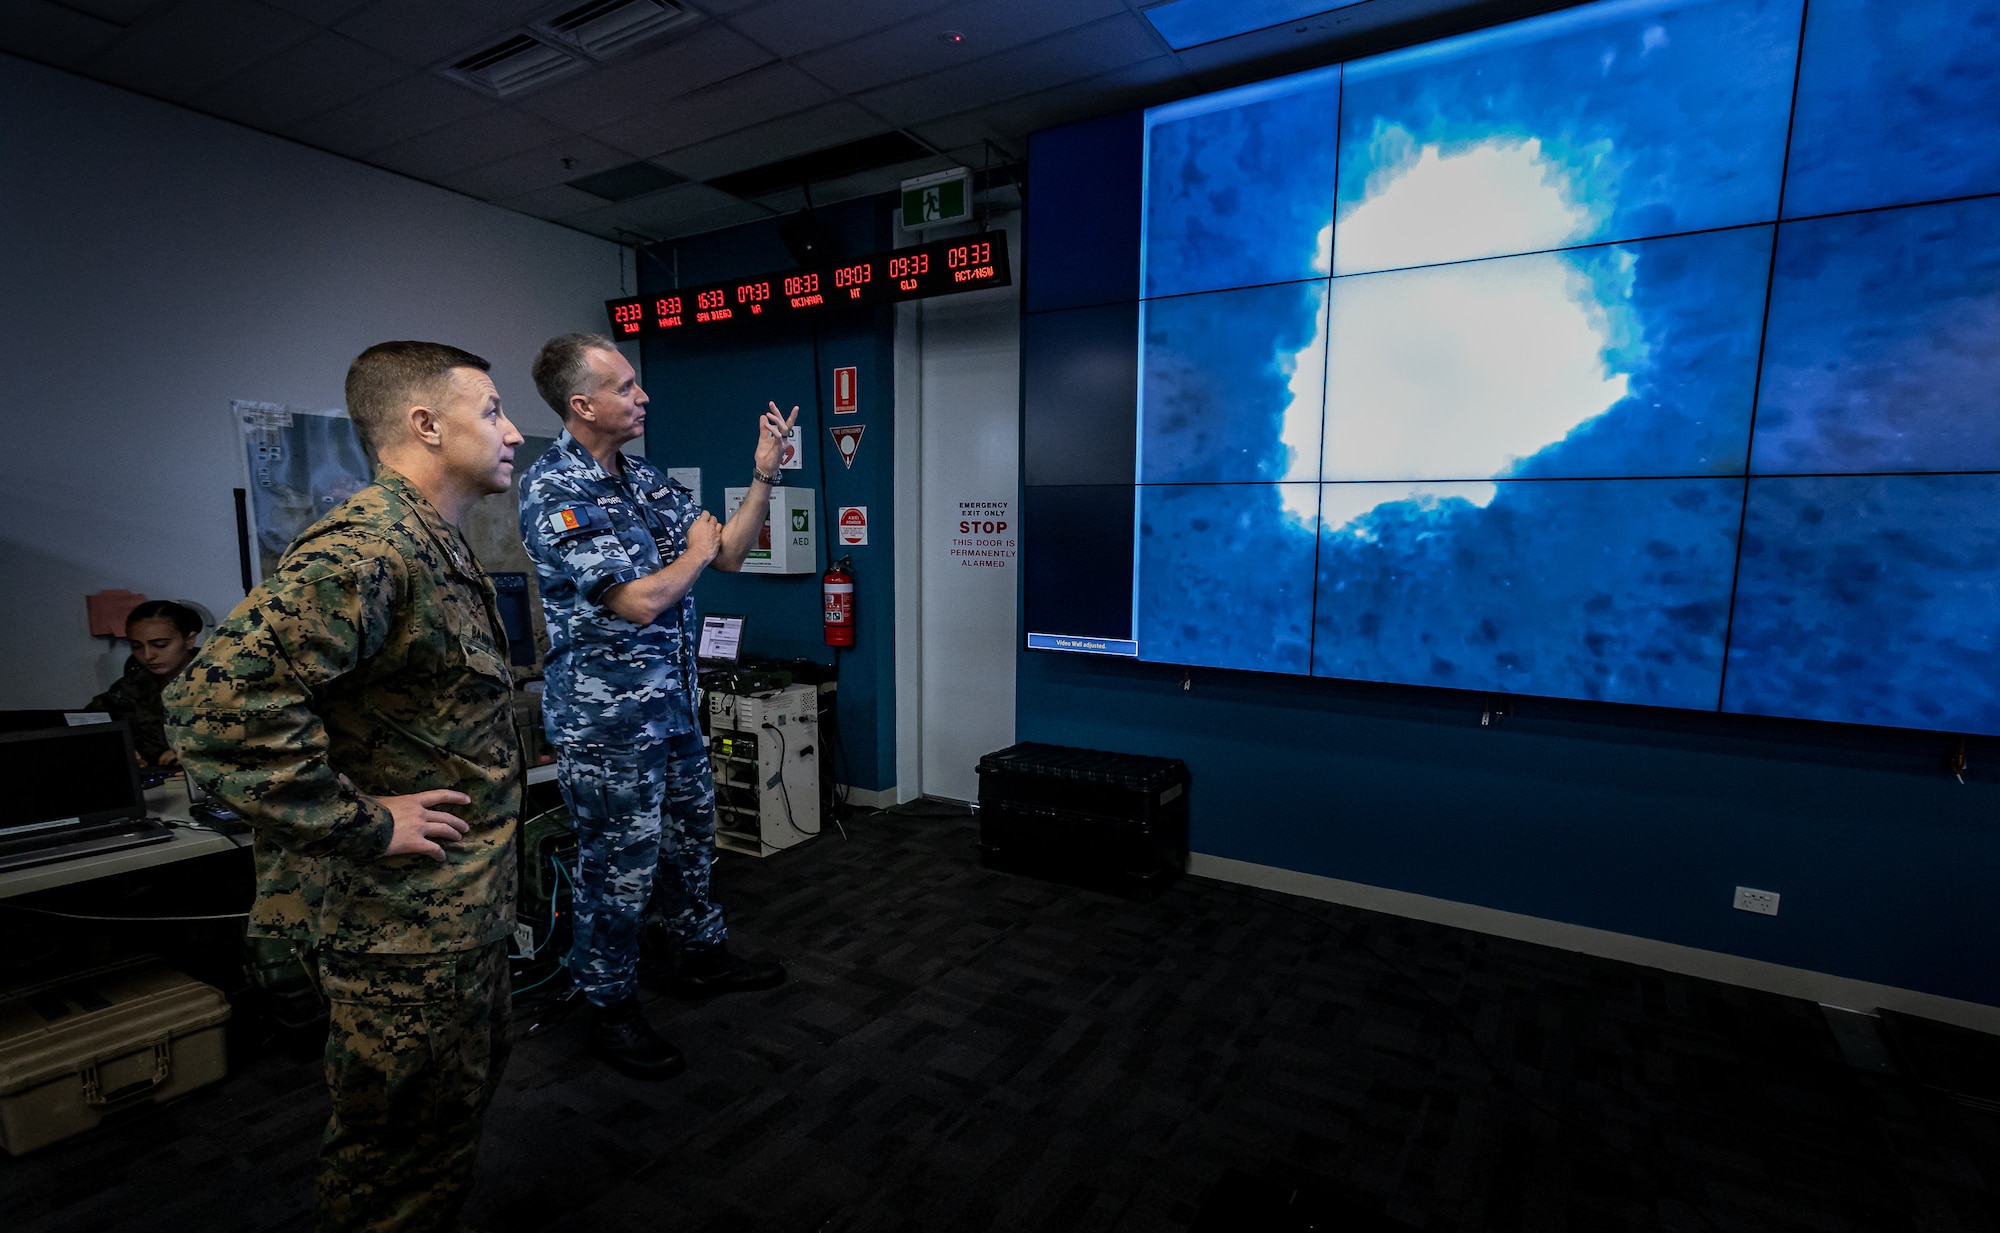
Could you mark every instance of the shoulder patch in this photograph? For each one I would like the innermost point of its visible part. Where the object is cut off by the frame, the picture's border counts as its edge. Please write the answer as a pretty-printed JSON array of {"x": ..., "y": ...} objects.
[{"x": 578, "y": 519}]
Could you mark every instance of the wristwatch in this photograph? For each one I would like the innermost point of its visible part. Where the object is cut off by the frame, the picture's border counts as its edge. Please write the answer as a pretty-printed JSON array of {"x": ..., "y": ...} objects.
[{"x": 773, "y": 480}]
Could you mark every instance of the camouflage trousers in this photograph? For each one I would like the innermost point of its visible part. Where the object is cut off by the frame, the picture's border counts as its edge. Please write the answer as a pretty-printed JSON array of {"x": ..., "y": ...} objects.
[
  {"x": 645, "y": 832},
  {"x": 413, "y": 1055}
]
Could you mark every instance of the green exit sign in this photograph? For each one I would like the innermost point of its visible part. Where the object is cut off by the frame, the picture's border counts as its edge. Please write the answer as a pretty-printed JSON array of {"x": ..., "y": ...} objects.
[{"x": 945, "y": 197}]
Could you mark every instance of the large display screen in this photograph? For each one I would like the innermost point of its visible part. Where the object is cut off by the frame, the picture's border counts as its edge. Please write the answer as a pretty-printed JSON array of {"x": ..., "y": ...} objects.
[{"x": 1648, "y": 351}]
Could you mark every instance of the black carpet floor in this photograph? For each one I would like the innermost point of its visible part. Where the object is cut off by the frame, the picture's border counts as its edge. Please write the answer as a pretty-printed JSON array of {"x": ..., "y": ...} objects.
[{"x": 961, "y": 1049}]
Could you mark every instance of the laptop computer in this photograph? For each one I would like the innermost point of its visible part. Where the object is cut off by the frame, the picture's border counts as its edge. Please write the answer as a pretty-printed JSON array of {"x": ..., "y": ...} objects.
[{"x": 70, "y": 792}]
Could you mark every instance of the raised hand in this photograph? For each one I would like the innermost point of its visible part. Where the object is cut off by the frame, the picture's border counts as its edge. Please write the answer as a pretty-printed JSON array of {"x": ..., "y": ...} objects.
[{"x": 772, "y": 429}]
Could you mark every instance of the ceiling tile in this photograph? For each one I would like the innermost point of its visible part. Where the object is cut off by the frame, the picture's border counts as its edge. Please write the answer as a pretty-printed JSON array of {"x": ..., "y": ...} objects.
[
  {"x": 1147, "y": 83},
  {"x": 967, "y": 129},
  {"x": 118, "y": 12},
  {"x": 190, "y": 48},
  {"x": 728, "y": 216},
  {"x": 539, "y": 168},
  {"x": 860, "y": 184},
  {"x": 471, "y": 142},
  {"x": 748, "y": 98},
  {"x": 560, "y": 201},
  {"x": 321, "y": 12},
  {"x": 918, "y": 46},
  {"x": 794, "y": 27},
  {"x": 49, "y": 34},
  {"x": 398, "y": 111},
  {"x": 1071, "y": 56},
  {"x": 420, "y": 35},
  {"x": 674, "y": 208},
  {"x": 777, "y": 139},
  {"x": 701, "y": 56},
  {"x": 322, "y": 72}
]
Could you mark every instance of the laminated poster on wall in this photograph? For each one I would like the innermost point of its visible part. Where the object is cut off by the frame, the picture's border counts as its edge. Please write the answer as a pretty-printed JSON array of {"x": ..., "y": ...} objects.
[
  {"x": 983, "y": 536},
  {"x": 793, "y": 456},
  {"x": 299, "y": 463}
]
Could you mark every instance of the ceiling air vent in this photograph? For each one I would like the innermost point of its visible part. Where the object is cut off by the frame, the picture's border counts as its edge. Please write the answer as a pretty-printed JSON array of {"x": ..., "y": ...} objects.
[
  {"x": 513, "y": 65},
  {"x": 604, "y": 28}
]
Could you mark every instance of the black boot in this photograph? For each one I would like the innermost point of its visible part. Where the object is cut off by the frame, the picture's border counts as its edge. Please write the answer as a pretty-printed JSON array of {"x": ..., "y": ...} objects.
[
  {"x": 704, "y": 971},
  {"x": 621, "y": 1036}
]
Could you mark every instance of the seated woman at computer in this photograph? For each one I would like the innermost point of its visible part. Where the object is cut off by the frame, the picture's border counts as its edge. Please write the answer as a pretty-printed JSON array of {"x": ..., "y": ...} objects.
[{"x": 161, "y": 634}]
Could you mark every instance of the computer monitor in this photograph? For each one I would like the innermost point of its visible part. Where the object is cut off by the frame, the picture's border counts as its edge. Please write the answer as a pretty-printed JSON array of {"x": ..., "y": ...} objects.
[
  {"x": 86, "y": 773},
  {"x": 721, "y": 643}
]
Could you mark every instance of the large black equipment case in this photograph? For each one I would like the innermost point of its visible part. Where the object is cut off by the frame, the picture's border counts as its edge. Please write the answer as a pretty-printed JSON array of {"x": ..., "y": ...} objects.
[{"x": 1107, "y": 820}]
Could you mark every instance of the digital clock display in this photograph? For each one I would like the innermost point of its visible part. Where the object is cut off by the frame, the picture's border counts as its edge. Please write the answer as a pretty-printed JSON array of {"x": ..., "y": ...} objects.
[{"x": 942, "y": 268}]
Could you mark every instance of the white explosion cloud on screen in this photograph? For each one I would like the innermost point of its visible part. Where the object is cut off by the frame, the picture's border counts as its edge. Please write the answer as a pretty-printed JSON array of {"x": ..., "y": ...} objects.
[{"x": 1452, "y": 373}]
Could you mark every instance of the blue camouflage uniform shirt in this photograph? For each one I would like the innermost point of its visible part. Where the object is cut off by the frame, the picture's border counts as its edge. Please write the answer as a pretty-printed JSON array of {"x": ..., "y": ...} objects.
[{"x": 609, "y": 682}]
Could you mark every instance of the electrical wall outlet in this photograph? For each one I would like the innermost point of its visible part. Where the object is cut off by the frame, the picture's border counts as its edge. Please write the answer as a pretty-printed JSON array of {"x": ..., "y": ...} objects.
[{"x": 1764, "y": 903}]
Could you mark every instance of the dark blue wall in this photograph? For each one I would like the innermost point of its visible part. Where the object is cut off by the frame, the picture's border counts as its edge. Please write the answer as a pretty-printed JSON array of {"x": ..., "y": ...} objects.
[
  {"x": 1627, "y": 819},
  {"x": 706, "y": 394},
  {"x": 1639, "y": 823}
]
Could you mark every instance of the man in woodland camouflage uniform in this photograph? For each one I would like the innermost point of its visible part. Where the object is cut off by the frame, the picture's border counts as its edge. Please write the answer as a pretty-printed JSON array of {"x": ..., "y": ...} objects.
[
  {"x": 355, "y": 709},
  {"x": 617, "y": 549}
]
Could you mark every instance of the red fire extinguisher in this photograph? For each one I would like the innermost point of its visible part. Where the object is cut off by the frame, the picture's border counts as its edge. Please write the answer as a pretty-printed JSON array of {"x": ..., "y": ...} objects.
[{"x": 837, "y": 590}]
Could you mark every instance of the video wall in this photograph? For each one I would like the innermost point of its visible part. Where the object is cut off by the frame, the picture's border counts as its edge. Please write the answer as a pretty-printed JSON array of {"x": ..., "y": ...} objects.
[{"x": 1647, "y": 351}]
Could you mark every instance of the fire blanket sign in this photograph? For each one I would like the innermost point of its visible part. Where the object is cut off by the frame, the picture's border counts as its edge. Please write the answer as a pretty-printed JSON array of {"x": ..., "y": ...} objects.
[{"x": 984, "y": 536}]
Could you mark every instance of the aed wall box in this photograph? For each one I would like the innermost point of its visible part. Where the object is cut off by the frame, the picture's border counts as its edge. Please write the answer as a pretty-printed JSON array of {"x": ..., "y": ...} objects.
[
  {"x": 1109, "y": 821},
  {"x": 787, "y": 542},
  {"x": 943, "y": 267}
]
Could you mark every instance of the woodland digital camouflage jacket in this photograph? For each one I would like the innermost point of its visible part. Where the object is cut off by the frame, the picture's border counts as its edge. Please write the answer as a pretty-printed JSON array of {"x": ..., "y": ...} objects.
[
  {"x": 374, "y": 652},
  {"x": 609, "y": 681}
]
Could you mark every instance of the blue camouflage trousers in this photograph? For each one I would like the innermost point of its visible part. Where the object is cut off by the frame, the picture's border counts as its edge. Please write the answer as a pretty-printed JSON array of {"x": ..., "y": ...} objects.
[{"x": 645, "y": 831}]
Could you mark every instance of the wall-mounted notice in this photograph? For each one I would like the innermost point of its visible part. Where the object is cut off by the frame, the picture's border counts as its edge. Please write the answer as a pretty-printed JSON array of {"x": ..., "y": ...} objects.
[
  {"x": 984, "y": 536},
  {"x": 846, "y": 391},
  {"x": 793, "y": 456},
  {"x": 853, "y": 526}
]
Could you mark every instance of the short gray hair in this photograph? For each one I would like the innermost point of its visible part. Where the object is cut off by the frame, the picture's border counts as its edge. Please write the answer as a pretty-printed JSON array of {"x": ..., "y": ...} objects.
[{"x": 562, "y": 367}]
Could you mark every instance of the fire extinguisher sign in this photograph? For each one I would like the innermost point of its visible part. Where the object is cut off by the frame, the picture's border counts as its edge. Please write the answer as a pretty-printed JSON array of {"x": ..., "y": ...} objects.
[
  {"x": 984, "y": 536},
  {"x": 846, "y": 391}
]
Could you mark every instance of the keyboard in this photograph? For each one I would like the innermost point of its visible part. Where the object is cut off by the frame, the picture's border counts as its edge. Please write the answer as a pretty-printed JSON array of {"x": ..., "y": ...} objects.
[{"x": 42, "y": 846}]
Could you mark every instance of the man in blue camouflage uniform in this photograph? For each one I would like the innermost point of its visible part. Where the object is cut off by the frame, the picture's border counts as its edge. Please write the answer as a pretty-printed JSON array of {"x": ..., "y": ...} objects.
[{"x": 617, "y": 550}]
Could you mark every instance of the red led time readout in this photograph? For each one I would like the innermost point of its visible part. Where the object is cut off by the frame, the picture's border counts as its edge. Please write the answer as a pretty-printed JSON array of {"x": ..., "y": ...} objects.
[
  {"x": 852, "y": 278},
  {"x": 939, "y": 268}
]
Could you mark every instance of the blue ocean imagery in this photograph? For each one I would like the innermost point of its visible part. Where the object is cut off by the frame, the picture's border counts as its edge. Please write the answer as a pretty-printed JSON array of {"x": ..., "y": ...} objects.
[
  {"x": 1616, "y": 590},
  {"x": 1615, "y": 360},
  {"x": 1606, "y": 122},
  {"x": 1239, "y": 186},
  {"x": 1883, "y": 349},
  {"x": 1232, "y": 385},
  {"x": 1225, "y": 577},
  {"x": 1898, "y": 102},
  {"x": 1870, "y": 599}
]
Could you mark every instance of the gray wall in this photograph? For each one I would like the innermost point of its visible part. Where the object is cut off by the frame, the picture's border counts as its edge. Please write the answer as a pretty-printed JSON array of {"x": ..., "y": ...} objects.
[{"x": 156, "y": 263}]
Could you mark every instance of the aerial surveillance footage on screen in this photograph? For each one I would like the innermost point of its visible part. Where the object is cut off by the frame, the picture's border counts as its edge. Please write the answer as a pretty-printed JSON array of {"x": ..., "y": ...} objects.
[{"x": 1644, "y": 352}]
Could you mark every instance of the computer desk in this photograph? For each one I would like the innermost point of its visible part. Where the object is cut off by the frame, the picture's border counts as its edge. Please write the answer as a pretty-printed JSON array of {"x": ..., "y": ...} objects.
[{"x": 167, "y": 802}]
